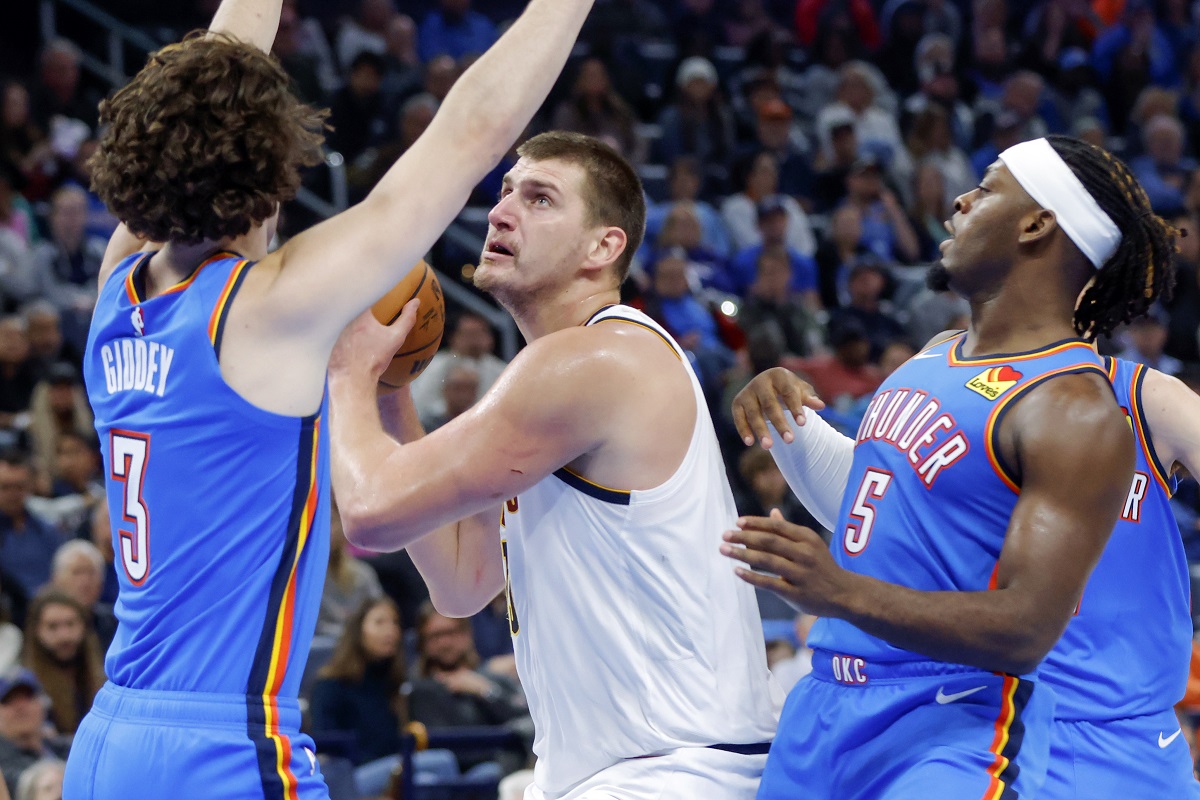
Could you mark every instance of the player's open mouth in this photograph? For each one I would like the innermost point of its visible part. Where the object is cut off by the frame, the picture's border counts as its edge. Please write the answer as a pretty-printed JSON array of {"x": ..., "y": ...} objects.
[{"x": 499, "y": 249}]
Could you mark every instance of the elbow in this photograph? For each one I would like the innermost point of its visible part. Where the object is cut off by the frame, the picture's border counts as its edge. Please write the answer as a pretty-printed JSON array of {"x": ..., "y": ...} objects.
[
  {"x": 364, "y": 527},
  {"x": 1023, "y": 649},
  {"x": 466, "y": 601}
]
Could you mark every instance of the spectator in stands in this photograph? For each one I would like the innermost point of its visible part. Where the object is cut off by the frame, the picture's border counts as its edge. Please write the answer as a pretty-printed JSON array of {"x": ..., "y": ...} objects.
[
  {"x": 697, "y": 25},
  {"x": 451, "y": 690},
  {"x": 24, "y": 738},
  {"x": 930, "y": 208},
  {"x": 1131, "y": 55},
  {"x": 767, "y": 489},
  {"x": 930, "y": 140},
  {"x": 594, "y": 108},
  {"x": 75, "y": 483},
  {"x": 837, "y": 154},
  {"x": 365, "y": 33},
  {"x": 27, "y": 543},
  {"x": 359, "y": 690},
  {"x": 22, "y": 143},
  {"x": 62, "y": 651},
  {"x": 1055, "y": 33},
  {"x": 1075, "y": 91},
  {"x": 1006, "y": 130},
  {"x": 682, "y": 230},
  {"x": 79, "y": 574},
  {"x": 771, "y": 301},
  {"x": 460, "y": 390},
  {"x": 858, "y": 15},
  {"x": 698, "y": 123},
  {"x": 349, "y": 584},
  {"x": 774, "y": 133},
  {"x": 402, "y": 72},
  {"x": 748, "y": 20},
  {"x": 1183, "y": 340},
  {"x": 440, "y": 74},
  {"x": 415, "y": 115},
  {"x": 359, "y": 111},
  {"x": 48, "y": 346},
  {"x": 58, "y": 91},
  {"x": 846, "y": 374},
  {"x": 100, "y": 534},
  {"x": 11, "y": 638},
  {"x": 472, "y": 342},
  {"x": 938, "y": 86},
  {"x": 493, "y": 637},
  {"x": 42, "y": 781},
  {"x": 1165, "y": 168},
  {"x": 16, "y": 215},
  {"x": 758, "y": 178},
  {"x": 886, "y": 231},
  {"x": 866, "y": 285},
  {"x": 455, "y": 30},
  {"x": 59, "y": 406},
  {"x": 69, "y": 261},
  {"x": 100, "y": 221},
  {"x": 302, "y": 64},
  {"x": 1151, "y": 102},
  {"x": 685, "y": 178},
  {"x": 874, "y": 127},
  {"x": 930, "y": 313},
  {"x": 1145, "y": 338},
  {"x": 773, "y": 220},
  {"x": 991, "y": 65},
  {"x": 839, "y": 251}
]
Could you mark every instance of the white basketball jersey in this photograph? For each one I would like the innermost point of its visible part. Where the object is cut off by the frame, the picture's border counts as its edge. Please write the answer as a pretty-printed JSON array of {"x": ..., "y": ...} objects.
[{"x": 632, "y": 634}]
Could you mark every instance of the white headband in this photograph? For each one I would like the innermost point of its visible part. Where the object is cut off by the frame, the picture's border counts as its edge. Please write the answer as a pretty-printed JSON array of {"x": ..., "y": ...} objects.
[{"x": 1051, "y": 183}]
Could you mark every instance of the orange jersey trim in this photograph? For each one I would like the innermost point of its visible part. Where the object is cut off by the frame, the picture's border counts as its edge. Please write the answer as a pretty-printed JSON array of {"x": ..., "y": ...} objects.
[
  {"x": 1003, "y": 725},
  {"x": 219, "y": 311},
  {"x": 131, "y": 288},
  {"x": 959, "y": 360}
]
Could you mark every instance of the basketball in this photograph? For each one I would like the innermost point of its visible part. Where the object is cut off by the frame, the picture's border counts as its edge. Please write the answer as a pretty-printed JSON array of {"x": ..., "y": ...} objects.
[{"x": 417, "y": 351}]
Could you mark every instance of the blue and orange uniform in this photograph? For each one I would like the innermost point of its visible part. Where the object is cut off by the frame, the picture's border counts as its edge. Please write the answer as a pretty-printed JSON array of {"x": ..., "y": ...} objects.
[
  {"x": 927, "y": 506},
  {"x": 220, "y": 523},
  {"x": 1122, "y": 662}
]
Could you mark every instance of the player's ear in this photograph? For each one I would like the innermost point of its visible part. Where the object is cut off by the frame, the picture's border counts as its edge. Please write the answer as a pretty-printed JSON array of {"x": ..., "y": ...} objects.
[
  {"x": 607, "y": 247},
  {"x": 1037, "y": 225}
]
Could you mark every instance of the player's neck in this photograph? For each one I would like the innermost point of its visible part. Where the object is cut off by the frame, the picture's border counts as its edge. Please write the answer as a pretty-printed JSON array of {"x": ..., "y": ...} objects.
[
  {"x": 1016, "y": 323},
  {"x": 538, "y": 319},
  {"x": 176, "y": 262}
]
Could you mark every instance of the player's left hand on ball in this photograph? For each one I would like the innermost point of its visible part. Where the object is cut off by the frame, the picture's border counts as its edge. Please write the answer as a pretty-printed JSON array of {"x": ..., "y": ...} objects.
[
  {"x": 365, "y": 348},
  {"x": 801, "y": 569}
]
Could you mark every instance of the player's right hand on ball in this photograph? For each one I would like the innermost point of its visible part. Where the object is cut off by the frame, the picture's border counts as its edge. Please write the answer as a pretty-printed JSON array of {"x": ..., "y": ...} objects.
[
  {"x": 768, "y": 398},
  {"x": 365, "y": 348}
]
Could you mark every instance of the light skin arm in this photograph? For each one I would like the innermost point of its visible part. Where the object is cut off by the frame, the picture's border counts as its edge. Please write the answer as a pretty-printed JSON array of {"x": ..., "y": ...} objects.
[
  {"x": 1076, "y": 458},
  {"x": 325, "y": 276},
  {"x": 463, "y": 554},
  {"x": 252, "y": 21},
  {"x": 1173, "y": 415}
]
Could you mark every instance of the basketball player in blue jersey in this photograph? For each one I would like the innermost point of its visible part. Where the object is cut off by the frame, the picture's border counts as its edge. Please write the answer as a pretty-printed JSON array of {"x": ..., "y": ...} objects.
[
  {"x": 986, "y": 477},
  {"x": 1122, "y": 663},
  {"x": 639, "y": 651},
  {"x": 206, "y": 366}
]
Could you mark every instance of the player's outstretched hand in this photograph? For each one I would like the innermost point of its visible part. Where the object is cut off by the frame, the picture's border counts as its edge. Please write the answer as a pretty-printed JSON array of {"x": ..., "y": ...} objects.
[
  {"x": 365, "y": 348},
  {"x": 768, "y": 397},
  {"x": 802, "y": 571}
]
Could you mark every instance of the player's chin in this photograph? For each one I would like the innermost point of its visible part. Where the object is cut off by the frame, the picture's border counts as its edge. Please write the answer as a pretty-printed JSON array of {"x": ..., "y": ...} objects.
[{"x": 938, "y": 276}]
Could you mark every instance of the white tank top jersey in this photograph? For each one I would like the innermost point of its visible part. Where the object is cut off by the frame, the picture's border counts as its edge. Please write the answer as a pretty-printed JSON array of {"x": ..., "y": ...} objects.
[{"x": 633, "y": 636}]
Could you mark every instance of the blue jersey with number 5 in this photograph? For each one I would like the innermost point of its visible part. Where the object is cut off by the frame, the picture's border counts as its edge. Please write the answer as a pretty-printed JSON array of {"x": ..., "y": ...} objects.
[
  {"x": 929, "y": 496},
  {"x": 219, "y": 509}
]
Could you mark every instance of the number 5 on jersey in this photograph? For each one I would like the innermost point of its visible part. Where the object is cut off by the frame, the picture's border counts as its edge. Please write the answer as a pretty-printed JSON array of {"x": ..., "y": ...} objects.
[
  {"x": 129, "y": 453},
  {"x": 862, "y": 515}
]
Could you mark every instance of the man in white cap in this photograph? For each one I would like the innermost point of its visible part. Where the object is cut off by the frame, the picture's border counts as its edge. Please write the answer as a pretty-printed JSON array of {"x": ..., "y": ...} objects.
[{"x": 985, "y": 480}]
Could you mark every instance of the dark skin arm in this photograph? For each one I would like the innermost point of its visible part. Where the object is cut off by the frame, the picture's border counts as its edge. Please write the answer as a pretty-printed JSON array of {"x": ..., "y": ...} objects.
[{"x": 1075, "y": 454}]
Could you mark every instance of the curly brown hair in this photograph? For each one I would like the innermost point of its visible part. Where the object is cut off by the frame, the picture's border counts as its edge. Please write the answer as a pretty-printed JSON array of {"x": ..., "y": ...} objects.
[{"x": 204, "y": 142}]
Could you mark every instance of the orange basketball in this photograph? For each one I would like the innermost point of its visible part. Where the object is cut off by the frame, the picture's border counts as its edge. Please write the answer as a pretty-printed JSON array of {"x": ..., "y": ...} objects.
[{"x": 418, "y": 349}]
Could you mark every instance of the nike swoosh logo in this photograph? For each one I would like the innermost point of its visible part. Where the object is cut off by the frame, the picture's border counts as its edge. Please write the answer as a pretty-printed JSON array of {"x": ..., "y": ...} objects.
[
  {"x": 944, "y": 698},
  {"x": 927, "y": 355},
  {"x": 1164, "y": 742}
]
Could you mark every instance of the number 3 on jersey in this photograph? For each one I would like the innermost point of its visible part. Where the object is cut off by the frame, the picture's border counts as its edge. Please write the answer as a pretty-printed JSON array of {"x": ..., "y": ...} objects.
[
  {"x": 862, "y": 515},
  {"x": 129, "y": 452}
]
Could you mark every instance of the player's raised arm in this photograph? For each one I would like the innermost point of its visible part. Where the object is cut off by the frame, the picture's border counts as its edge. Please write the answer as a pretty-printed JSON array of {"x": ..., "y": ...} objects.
[
  {"x": 252, "y": 21},
  {"x": 1173, "y": 416},
  {"x": 1076, "y": 457},
  {"x": 330, "y": 273}
]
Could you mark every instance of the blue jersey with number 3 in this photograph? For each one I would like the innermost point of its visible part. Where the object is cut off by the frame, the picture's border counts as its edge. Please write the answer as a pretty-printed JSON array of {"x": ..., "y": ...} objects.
[
  {"x": 219, "y": 509},
  {"x": 929, "y": 496}
]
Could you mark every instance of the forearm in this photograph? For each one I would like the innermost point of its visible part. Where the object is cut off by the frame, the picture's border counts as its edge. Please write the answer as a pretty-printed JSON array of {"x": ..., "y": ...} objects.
[
  {"x": 461, "y": 561},
  {"x": 816, "y": 465},
  {"x": 994, "y": 630},
  {"x": 252, "y": 21}
]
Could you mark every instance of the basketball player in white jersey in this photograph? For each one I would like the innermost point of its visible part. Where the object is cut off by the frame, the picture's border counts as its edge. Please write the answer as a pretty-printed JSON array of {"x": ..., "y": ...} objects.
[{"x": 640, "y": 653}]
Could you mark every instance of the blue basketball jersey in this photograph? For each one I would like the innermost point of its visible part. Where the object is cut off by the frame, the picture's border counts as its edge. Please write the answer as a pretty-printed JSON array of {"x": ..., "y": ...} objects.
[
  {"x": 219, "y": 509},
  {"x": 1126, "y": 651},
  {"x": 929, "y": 495}
]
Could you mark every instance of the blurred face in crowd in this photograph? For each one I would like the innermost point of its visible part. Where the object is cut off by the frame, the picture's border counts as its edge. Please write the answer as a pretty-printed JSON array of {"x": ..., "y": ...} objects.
[
  {"x": 774, "y": 275},
  {"x": 847, "y": 227},
  {"x": 16, "y": 482},
  {"x": 865, "y": 287},
  {"x": 682, "y": 228},
  {"x": 1164, "y": 141},
  {"x": 60, "y": 72},
  {"x": 685, "y": 181},
  {"x": 460, "y": 390},
  {"x": 930, "y": 189},
  {"x": 440, "y": 74},
  {"x": 80, "y": 579},
  {"x": 14, "y": 343},
  {"x": 15, "y": 110},
  {"x": 472, "y": 337},
  {"x": 381, "y": 632},
  {"x": 856, "y": 91},
  {"x": 670, "y": 278},
  {"x": 22, "y": 716},
  {"x": 44, "y": 332},
  {"x": 894, "y": 355},
  {"x": 1149, "y": 337},
  {"x": 593, "y": 79},
  {"x": 447, "y": 642},
  {"x": 75, "y": 461},
  {"x": 763, "y": 179},
  {"x": 773, "y": 227},
  {"x": 698, "y": 90},
  {"x": 60, "y": 630},
  {"x": 845, "y": 144}
]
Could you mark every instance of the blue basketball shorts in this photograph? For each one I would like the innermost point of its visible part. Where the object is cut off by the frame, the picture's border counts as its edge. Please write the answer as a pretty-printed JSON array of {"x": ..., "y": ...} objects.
[
  {"x": 190, "y": 746},
  {"x": 917, "y": 731},
  {"x": 1120, "y": 759}
]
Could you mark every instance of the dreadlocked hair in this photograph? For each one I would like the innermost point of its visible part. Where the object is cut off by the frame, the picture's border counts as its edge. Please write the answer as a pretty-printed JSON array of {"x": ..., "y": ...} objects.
[{"x": 1143, "y": 267}]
